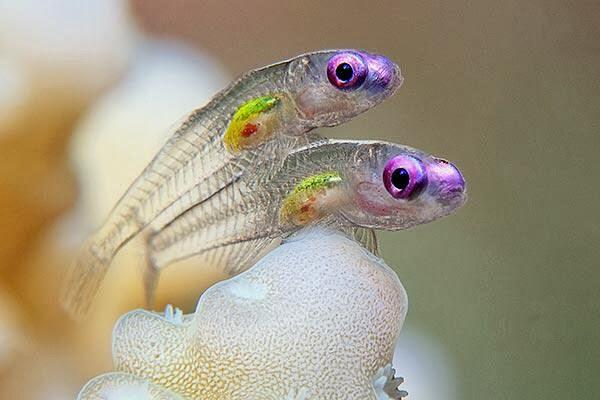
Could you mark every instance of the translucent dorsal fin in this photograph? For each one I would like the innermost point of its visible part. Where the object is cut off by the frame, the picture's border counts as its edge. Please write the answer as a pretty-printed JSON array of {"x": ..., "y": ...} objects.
[{"x": 367, "y": 238}]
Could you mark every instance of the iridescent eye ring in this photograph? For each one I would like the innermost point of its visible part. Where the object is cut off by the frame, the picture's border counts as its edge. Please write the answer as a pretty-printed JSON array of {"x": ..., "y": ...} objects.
[
  {"x": 404, "y": 177},
  {"x": 347, "y": 70}
]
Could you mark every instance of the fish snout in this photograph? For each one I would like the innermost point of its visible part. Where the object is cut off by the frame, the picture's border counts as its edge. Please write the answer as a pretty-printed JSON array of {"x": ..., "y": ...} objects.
[
  {"x": 384, "y": 74},
  {"x": 450, "y": 183}
]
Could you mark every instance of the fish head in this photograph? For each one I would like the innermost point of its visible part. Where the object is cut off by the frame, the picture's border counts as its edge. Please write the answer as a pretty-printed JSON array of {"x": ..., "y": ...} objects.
[
  {"x": 394, "y": 187},
  {"x": 333, "y": 86}
]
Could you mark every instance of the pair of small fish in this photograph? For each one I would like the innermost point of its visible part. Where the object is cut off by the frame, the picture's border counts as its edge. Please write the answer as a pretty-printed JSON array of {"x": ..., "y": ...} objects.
[{"x": 245, "y": 171}]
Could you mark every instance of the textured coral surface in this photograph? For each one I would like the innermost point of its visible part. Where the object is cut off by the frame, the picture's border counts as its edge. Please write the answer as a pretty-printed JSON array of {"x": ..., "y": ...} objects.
[{"x": 316, "y": 318}]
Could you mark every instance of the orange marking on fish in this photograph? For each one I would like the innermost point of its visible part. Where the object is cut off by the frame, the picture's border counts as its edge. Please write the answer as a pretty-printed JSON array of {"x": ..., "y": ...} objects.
[{"x": 249, "y": 130}]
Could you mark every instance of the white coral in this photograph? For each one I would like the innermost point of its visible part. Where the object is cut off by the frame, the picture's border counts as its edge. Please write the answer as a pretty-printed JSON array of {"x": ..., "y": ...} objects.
[
  {"x": 136, "y": 391},
  {"x": 327, "y": 318},
  {"x": 120, "y": 386},
  {"x": 386, "y": 384}
]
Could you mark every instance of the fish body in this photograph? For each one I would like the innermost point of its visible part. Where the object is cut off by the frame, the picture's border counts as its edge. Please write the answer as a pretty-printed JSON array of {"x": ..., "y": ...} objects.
[
  {"x": 351, "y": 184},
  {"x": 264, "y": 114}
]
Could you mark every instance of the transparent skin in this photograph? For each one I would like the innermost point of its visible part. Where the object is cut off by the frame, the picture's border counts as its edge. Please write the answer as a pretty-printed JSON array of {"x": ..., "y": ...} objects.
[
  {"x": 261, "y": 210},
  {"x": 195, "y": 163}
]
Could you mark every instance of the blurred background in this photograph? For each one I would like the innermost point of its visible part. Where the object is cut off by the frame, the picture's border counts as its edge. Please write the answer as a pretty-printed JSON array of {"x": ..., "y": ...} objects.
[{"x": 504, "y": 295}]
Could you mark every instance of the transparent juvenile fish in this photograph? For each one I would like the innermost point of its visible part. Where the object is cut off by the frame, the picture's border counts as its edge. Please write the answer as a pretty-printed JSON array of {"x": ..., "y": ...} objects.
[
  {"x": 264, "y": 114},
  {"x": 354, "y": 185}
]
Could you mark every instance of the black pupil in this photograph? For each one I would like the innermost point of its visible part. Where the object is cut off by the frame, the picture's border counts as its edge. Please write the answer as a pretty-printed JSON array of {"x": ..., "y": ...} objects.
[
  {"x": 344, "y": 72},
  {"x": 400, "y": 178}
]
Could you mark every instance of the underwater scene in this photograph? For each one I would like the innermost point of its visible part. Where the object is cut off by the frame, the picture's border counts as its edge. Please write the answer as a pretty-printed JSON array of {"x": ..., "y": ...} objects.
[{"x": 297, "y": 201}]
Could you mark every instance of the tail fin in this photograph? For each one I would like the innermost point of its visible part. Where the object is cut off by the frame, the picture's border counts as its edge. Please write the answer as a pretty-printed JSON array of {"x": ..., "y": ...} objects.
[{"x": 85, "y": 277}]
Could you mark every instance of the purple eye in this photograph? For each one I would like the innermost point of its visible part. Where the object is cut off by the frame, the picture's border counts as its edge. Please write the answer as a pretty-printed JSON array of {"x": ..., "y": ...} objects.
[
  {"x": 346, "y": 71},
  {"x": 404, "y": 177}
]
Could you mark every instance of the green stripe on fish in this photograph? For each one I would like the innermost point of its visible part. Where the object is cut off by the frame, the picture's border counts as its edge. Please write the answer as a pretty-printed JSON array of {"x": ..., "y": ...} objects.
[
  {"x": 252, "y": 124},
  {"x": 309, "y": 198}
]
